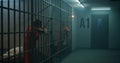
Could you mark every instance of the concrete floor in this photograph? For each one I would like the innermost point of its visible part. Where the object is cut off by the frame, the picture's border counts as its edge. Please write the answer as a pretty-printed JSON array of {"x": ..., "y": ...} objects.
[{"x": 93, "y": 56}]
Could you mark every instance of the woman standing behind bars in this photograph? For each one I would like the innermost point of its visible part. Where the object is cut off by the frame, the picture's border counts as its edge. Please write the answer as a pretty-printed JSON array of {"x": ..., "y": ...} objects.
[{"x": 31, "y": 36}]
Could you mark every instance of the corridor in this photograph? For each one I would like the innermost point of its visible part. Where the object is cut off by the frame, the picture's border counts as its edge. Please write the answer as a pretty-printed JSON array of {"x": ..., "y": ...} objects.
[
  {"x": 93, "y": 56},
  {"x": 59, "y": 31}
]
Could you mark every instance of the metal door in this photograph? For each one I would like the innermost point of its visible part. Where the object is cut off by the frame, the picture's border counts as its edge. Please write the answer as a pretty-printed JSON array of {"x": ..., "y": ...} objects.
[{"x": 99, "y": 32}]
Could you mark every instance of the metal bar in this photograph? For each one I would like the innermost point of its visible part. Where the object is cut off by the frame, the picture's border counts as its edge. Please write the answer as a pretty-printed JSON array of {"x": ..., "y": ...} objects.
[
  {"x": 61, "y": 42},
  {"x": 2, "y": 31},
  {"x": 35, "y": 18},
  {"x": 28, "y": 21},
  {"x": 14, "y": 31},
  {"x": 28, "y": 12},
  {"x": 38, "y": 17},
  {"x": 40, "y": 39},
  {"x": 47, "y": 41},
  {"x": 44, "y": 20},
  {"x": 50, "y": 44},
  {"x": 39, "y": 34},
  {"x": 32, "y": 11},
  {"x": 51, "y": 36},
  {"x": 41, "y": 47},
  {"x": 35, "y": 8},
  {"x": 8, "y": 31},
  {"x": 60, "y": 24},
  {"x": 19, "y": 31},
  {"x": 32, "y": 18},
  {"x": 24, "y": 28},
  {"x": 42, "y": 34}
]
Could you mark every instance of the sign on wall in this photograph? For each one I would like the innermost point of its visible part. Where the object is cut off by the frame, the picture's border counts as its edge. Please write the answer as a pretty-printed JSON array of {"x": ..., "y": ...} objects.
[{"x": 84, "y": 22}]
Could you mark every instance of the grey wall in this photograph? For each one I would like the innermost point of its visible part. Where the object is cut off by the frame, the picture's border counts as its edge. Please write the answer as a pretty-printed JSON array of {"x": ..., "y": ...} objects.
[
  {"x": 82, "y": 36},
  {"x": 74, "y": 28},
  {"x": 114, "y": 29}
]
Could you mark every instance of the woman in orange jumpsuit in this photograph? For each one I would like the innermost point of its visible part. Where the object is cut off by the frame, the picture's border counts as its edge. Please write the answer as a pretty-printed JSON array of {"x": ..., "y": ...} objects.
[{"x": 31, "y": 36}]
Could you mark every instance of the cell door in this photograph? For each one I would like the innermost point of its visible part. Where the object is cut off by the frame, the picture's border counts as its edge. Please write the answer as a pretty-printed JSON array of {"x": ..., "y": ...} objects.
[{"x": 99, "y": 32}]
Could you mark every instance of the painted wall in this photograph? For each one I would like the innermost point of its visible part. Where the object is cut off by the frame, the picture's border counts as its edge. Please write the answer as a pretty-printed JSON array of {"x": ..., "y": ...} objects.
[
  {"x": 82, "y": 35},
  {"x": 74, "y": 28},
  {"x": 114, "y": 29}
]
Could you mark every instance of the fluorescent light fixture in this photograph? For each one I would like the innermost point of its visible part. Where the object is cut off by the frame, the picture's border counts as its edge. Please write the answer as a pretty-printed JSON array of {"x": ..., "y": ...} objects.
[
  {"x": 80, "y": 4},
  {"x": 101, "y": 8},
  {"x": 73, "y": 16}
]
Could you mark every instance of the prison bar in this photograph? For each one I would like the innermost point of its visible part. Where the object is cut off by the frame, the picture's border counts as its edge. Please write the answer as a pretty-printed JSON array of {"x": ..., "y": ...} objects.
[
  {"x": 14, "y": 20},
  {"x": 21, "y": 14},
  {"x": 8, "y": 31},
  {"x": 2, "y": 31}
]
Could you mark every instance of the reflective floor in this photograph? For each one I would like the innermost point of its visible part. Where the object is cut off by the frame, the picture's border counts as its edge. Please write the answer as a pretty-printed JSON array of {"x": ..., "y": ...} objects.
[{"x": 93, "y": 56}]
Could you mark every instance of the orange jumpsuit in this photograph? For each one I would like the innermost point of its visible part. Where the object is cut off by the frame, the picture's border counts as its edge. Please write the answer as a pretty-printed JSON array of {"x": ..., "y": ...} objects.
[{"x": 31, "y": 36}]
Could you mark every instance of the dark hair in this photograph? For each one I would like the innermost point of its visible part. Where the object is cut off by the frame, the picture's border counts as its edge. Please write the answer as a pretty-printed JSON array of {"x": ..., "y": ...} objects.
[{"x": 37, "y": 24}]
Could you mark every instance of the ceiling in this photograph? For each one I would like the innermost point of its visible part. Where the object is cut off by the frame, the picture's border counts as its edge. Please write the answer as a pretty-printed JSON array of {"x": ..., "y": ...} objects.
[
  {"x": 94, "y": 3},
  {"x": 73, "y": 3}
]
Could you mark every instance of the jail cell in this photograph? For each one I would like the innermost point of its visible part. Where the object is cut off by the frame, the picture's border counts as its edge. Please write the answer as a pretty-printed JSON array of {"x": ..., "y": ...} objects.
[{"x": 34, "y": 31}]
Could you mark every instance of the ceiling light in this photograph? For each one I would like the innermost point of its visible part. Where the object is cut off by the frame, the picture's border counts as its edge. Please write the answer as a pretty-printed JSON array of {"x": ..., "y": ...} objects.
[
  {"x": 79, "y": 3},
  {"x": 82, "y": 6},
  {"x": 101, "y": 8},
  {"x": 73, "y": 16}
]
